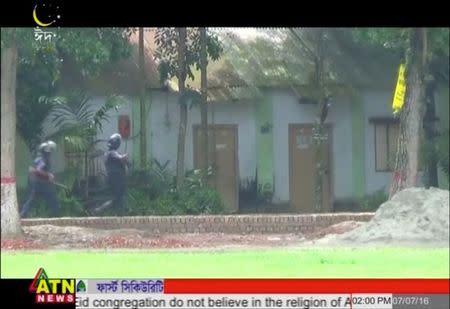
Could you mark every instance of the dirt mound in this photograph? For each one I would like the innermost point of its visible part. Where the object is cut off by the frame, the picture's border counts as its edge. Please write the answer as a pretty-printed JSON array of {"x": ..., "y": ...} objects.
[{"x": 414, "y": 215}]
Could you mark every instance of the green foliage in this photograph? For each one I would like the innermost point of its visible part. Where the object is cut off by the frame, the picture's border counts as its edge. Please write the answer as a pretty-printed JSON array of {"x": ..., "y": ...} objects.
[
  {"x": 372, "y": 201},
  {"x": 70, "y": 205},
  {"x": 40, "y": 62},
  {"x": 151, "y": 182},
  {"x": 93, "y": 47},
  {"x": 37, "y": 71},
  {"x": 436, "y": 150},
  {"x": 31, "y": 113},
  {"x": 77, "y": 120},
  {"x": 191, "y": 98},
  {"x": 390, "y": 38},
  {"x": 69, "y": 177},
  {"x": 152, "y": 192},
  {"x": 183, "y": 202},
  {"x": 398, "y": 39},
  {"x": 442, "y": 150},
  {"x": 195, "y": 179},
  {"x": 166, "y": 40},
  {"x": 427, "y": 152}
]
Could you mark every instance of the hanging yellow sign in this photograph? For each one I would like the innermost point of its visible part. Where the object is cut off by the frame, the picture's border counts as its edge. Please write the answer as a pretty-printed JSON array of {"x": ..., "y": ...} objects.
[{"x": 400, "y": 90}]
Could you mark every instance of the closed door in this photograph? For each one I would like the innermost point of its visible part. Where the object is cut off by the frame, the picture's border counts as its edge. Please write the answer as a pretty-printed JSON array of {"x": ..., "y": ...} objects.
[
  {"x": 223, "y": 150},
  {"x": 302, "y": 159}
]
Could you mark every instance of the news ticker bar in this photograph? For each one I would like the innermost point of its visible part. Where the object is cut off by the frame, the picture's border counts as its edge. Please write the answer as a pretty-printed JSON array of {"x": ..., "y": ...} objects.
[
  {"x": 420, "y": 291},
  {"x": 270, "y": 286},
  {"x": 306, "y": 286},
  {"x": 279, "y": 301}
]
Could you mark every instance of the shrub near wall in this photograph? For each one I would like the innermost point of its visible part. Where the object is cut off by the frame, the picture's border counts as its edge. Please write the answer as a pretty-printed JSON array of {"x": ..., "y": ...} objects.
[{"x": 185, "y": 202}]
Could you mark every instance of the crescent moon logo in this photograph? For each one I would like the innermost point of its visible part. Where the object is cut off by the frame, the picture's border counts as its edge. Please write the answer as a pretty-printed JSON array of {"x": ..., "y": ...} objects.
[{"x": 40, "y": 23}]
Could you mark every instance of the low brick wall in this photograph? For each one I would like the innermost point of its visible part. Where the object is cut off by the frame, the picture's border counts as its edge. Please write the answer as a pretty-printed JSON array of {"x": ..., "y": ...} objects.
[{"x": 232, "y": 224}]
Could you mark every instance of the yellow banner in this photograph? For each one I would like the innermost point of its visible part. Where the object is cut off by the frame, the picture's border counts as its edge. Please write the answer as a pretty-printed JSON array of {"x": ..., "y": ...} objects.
[{"x": 400, "y": 90}]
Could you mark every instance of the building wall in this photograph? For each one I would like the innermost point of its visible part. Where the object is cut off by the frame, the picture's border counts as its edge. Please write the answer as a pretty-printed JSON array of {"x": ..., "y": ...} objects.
[
  {"x": 163, "y": 117},
  {"x": 164, "y": 120},
  {"x": 287, "y": 110}
]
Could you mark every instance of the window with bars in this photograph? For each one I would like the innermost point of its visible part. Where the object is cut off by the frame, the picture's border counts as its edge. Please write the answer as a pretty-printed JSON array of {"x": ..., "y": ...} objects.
[{"x": 386, "y": 137}]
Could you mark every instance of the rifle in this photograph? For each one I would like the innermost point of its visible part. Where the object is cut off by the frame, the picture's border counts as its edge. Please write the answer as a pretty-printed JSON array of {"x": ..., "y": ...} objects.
[{"x": 61, "y": 185}]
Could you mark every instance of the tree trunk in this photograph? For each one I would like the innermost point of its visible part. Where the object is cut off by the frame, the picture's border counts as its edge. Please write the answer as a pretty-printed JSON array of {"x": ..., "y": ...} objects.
[
  {"x": 411, "y": 117},
  {"x": 214, "y": 158},
  {"x": 183, "y": 106},
  {"x": 86, "y": 175},
  {"x": 430, "y": 136},
  {"x": 10, "y": 220},
  {"x": 204, "y": 105},
  {"x": 319, "y": 132},
  {"x": 143, "y": 120}
]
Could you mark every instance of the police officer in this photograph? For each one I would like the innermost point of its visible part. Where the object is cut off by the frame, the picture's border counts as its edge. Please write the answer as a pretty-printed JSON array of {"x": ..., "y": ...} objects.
[
  {"x": 115, "y": 165},
  {"x": 40, "y": 181}
]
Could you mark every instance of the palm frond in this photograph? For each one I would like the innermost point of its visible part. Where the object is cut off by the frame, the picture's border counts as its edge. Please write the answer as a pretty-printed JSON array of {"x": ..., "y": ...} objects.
[
  {"x": 84, "y": 109},
  {"x": 77, "y": 119},
  {"x": 63, "y": 115},
  {"x": 76, "y": 143},
  {"x": 103, "y": 113}
]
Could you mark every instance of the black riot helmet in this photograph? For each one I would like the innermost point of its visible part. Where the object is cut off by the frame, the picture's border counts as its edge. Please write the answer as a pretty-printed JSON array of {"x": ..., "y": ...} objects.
[{"x": 114, "y": 141}]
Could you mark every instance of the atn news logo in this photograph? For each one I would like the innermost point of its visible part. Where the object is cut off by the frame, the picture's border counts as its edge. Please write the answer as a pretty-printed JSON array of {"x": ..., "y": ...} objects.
[{"x": 52, "y": 291}]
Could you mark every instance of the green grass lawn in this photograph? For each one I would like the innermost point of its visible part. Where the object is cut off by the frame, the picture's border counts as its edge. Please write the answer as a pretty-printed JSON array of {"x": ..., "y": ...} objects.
[{"x": 298, "y": 263}]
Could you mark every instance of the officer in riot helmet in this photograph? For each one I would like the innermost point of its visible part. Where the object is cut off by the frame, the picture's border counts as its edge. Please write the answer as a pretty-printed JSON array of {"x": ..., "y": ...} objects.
[
  {"x": 40, "y": 181},
  {"x": 115, "y": 165}
]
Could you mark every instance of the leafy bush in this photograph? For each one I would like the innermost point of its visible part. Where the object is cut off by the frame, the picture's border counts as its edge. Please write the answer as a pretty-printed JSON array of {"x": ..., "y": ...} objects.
[
  {"x": 137, "y": 202},
  {"x": 184, "y": 202},
  {"x": 70, "y": 206},
  {"x": 443, "y": 152},
  {"x": 153, "y": 182},
  {"x": 436, "y": 150},
  {"x": 150, "y": 192},
  {"x": 372, "y": 201},
  {"x": 194, "y": 179},
  {"x": 201, "y": 201}
]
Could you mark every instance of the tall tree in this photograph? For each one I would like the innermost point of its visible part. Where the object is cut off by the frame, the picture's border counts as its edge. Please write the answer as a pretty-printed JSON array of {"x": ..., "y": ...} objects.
[
  {"x": 91, "y": 48},
  {"x": 183, "y": 108},
  {"x": 411, "y": 118},
  {"x": 169, "y": 53},
  {"x": 320, "y": 95},
  {"x": 417, "y": 47},
  {"x": 9, "y": 208},
  {"x": 143, "y": 120},
  {"x": 204, "y": 94},
  {"x": 319, "y": 133}
]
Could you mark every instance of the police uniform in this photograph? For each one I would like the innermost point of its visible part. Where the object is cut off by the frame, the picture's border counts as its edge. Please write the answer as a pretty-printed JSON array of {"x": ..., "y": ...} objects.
[
  {"x": 39, "y": 183},
  {"x": 115, "y": 169},
  {"x": 115, "y": 165}
]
